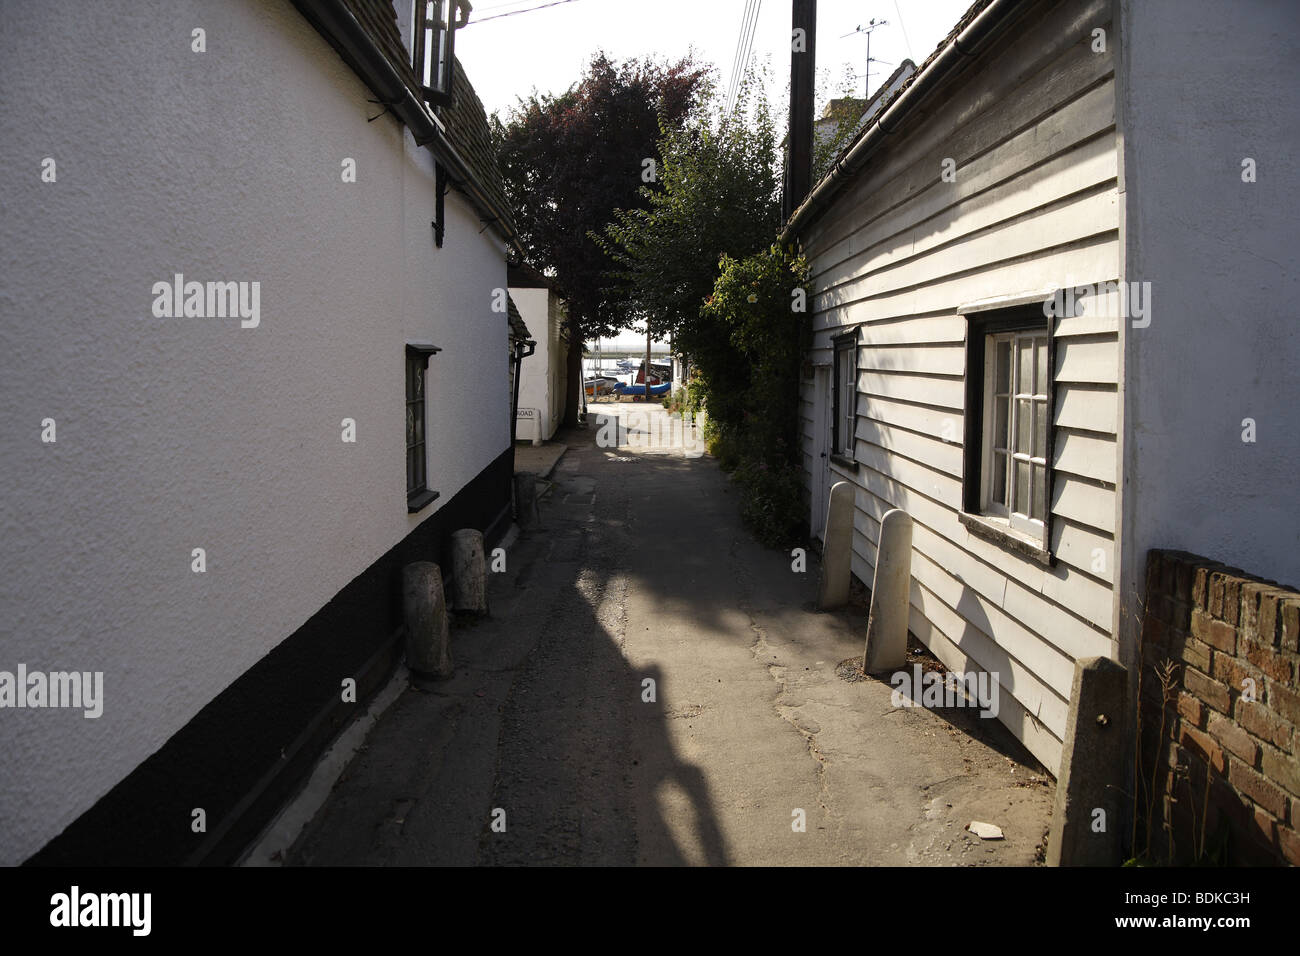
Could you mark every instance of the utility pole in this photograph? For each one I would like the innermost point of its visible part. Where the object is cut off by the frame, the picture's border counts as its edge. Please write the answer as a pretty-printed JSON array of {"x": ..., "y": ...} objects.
[{"x": 803, "y": 62}]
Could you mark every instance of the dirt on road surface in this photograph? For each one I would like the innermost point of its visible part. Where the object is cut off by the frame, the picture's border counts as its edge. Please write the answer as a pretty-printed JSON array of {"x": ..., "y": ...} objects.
[{"x": 653, "y": 687}]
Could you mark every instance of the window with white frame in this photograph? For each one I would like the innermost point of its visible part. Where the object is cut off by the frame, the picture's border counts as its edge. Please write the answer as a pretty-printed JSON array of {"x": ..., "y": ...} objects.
[
  {"x": 845, "y": 397},
  {"x": 1015, "y": 408},
  {"x": 1007, "y": 484}
]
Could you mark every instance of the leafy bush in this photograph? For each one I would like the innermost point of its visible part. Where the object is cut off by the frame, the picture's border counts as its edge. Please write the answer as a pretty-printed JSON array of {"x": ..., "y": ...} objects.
[
  {"x": 771, "y": 501},
  {"x": 751, "y": 387}
]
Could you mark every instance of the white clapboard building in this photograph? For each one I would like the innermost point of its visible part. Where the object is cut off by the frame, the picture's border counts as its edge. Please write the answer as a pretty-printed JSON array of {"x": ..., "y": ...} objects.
[{"x": 1110, "y": 157}]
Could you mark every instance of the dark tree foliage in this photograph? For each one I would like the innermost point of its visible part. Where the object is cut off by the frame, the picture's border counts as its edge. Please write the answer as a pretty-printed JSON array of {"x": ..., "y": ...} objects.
[{"x": 569, "y": 161}]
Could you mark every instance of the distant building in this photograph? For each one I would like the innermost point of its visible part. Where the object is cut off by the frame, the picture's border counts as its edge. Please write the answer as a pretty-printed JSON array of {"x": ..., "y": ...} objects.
[{"x": 545, "y": 376}]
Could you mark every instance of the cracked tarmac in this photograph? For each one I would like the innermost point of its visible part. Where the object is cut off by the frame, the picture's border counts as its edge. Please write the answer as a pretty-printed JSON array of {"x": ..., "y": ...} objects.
[{"x": 641, "y": 571}]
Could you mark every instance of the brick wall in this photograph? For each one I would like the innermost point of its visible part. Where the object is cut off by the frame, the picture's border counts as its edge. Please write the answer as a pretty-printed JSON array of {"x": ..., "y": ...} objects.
[{"x": 1227, "y": 763}]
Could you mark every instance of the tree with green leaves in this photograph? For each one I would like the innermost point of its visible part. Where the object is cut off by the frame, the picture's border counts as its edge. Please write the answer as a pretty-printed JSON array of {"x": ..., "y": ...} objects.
[
  {"x": 570, "y": 161},
  {"x": 718, "y": 195}
]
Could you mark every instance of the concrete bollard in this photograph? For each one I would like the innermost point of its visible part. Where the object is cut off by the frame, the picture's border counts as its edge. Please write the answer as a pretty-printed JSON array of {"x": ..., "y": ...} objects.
[
  {"x": 526, "y": 499},
  {"x": 1086, "y": 821},
  {"x": 886, "y": 648},
  {"x": 468, "y": 571},
  {"x": 837, "y": 548},
  {"x": 424, "y": 610}
]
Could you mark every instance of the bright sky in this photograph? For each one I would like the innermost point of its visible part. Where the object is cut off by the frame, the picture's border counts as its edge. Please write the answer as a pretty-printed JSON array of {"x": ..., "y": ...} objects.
[{"x": 548, "y": 48}]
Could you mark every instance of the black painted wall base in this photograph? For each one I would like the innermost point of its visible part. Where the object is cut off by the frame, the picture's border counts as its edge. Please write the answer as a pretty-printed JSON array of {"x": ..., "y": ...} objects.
[{"x": 243, "y": 756}]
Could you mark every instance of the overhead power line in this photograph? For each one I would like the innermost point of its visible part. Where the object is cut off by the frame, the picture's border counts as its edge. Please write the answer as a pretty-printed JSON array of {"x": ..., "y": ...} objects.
[
  {"x": 743, "y": 65},
  {"x": 735, "y": 56},
  {"x": 515, "y": 13}
]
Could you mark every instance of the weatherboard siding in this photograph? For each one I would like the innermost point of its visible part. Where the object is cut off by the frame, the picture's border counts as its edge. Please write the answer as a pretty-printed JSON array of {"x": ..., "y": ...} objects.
[{"x": 1034, "y": 206}]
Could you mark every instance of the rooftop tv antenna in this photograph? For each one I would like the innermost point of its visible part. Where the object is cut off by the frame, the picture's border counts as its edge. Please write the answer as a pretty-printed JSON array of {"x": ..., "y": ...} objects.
[{"x": 866, "y": 28}]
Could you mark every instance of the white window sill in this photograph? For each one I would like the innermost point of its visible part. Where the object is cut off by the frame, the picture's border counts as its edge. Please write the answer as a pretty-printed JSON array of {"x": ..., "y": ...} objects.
[{"x": 999, "y": 531}]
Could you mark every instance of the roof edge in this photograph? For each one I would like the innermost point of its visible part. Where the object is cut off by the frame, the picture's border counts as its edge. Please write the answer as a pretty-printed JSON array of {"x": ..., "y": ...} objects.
[{"x": 977, "y": 26}]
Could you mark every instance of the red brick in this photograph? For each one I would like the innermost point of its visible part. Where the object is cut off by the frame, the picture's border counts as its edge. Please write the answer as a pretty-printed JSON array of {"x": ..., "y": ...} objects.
[
  {"x": 1153, "y": 633},
  {"x": 1251, "y": 591},
  {"x": 1153, "y": 573},
  {"x": 1230, "y": 803},
  {"x": 1234, "y": 739},
  {"x": 1269, "y": 625},
  {"x": 1254, "y": 786},
  {"x": 1257, "y": 719},
  {"x": 1233, "y": 673},
  {"x": 1217, "y": 634},
  {"x": 1202, "y": 744},
  {"x": 1264, "y": 827},
  {"x": 1288, "y": 842},
  {"x": 1191, "y": 709},
  {"x": 1201, "y": 586},
  {"x": 1285, "y": 703},
  {"x": 1187, "y": 649},
  {"x": 1214, "y": 594},
  {"x": 1273, "y": 664},
  {"x": 1168, "y": 573},
  {"x": 1291, "y": 625},
  {"x": 1232, "y": 599},
  {"x": 1185, "y": 578},
  {"x": 1282, "y": 769},
  {"x": 1210, "y": 691}
]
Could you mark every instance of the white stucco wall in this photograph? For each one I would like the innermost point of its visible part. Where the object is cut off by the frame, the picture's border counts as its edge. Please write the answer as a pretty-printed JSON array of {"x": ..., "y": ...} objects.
[
  {"x": 1203, "y": 86},
  {"x": 190, "y": 432}
]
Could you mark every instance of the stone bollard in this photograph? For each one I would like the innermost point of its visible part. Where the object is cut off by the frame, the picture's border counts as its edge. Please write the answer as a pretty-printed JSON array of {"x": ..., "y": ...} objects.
[
  {"x": 526, "y": 499},
  {"x": 424, "y": 609},
  {"x": 468, "y": 571},
  {"x": 837, "y": 548},
  {"x": 1089, "y": 788},
  {"x": 886, "y": 648}
]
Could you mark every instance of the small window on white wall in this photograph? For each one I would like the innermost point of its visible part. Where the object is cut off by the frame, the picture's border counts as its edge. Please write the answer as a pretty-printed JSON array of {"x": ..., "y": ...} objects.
[
  {"x": 1007, "y": 471},
  {"x": 845, "y": 398},
  {"x": 1015, "y": 409}
]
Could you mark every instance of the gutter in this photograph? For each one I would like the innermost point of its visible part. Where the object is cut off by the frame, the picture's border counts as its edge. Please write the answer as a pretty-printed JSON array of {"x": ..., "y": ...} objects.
[
  {"x": 965, "y": 44},
  {"x": 333, "y": 20}
]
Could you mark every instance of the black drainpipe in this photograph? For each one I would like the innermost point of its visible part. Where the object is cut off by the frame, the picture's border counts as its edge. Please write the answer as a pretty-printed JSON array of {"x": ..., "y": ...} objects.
[{"x": 520, "y": 355}]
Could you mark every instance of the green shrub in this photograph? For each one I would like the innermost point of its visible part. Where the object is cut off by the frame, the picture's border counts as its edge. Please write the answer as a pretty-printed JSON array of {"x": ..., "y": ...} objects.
[{"x": 771, "y": 501}]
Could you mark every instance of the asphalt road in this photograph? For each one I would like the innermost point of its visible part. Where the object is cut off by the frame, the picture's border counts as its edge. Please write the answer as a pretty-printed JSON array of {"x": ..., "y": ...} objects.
[{"x": 546, "y": 747}]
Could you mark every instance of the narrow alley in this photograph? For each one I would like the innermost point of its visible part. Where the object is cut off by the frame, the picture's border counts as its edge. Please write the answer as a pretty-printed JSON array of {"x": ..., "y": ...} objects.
[{"x": 641, "y": 571}]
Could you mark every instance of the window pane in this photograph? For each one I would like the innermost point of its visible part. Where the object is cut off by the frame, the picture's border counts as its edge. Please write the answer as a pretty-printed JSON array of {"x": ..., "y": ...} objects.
[
  {"x": 1040, "y": 355},
  {"x": 410, "y": 471},
  {"x": 1024, "y": 424},
  {"x": 1040, "y": 429},
  {"x": 1003, "y": 368},
  {"x": 1040, "y": 493},
  {"x": 410, "y": 426},
  {"x": 1024, "y": 349},
  {"x": 1001, "y": 412},
  {"x": 1022, "y": 487},
  {"x": 998, "y": 493}
]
